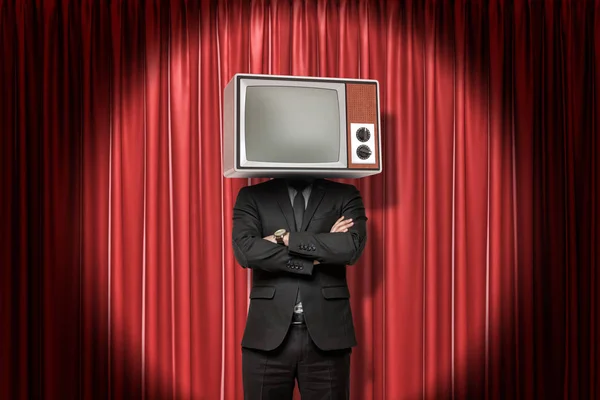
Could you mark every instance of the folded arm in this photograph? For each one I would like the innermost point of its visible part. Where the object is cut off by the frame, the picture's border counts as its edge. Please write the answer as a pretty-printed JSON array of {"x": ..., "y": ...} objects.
[
  {"x": 340, "y": 248},
  {"x": 252, "y": 251}
]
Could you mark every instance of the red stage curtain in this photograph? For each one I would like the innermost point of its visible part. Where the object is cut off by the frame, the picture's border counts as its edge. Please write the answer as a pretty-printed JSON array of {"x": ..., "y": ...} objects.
[{"x": 480, "y": 278}]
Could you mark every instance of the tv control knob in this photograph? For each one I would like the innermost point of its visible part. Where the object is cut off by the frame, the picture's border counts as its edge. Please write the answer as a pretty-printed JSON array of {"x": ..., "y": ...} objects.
[
  {"x": 363, "y": 152},
  {"x": 363, "y": 134}
]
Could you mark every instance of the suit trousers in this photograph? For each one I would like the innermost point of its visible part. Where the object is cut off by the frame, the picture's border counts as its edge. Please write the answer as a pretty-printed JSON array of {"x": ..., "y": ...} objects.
[{"x": 320, "y": 374}]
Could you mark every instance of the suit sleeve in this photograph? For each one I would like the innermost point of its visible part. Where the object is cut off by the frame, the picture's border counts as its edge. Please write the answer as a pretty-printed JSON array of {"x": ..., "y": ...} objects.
[
  {"x": 340, "y": 248},
  {"x": 252, "y": 251}
]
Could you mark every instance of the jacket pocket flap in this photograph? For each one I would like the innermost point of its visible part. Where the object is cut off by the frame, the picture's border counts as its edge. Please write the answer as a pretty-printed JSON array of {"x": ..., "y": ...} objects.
[
  {"x": 262, "y": 292},
  {"x": 336, "y": 292}
]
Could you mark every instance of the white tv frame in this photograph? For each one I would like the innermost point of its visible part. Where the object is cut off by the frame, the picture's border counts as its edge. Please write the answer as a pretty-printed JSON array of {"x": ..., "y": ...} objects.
[{"x": 234, "y": 93}]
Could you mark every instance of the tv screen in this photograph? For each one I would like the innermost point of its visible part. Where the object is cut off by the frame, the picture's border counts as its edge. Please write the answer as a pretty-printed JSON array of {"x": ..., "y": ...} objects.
[{"x": 292, "y": 124}]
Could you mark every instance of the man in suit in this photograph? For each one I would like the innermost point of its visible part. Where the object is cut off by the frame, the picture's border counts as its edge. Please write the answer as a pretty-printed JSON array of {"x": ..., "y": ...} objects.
[{"x": 298, "y": 236}]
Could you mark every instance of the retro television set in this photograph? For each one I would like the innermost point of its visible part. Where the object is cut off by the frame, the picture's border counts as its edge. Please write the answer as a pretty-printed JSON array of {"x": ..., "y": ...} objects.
[{"x": 286, "y": 126}]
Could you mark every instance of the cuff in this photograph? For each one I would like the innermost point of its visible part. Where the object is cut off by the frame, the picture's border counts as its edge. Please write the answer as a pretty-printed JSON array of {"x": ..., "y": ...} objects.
[
  {"x": 300, "y": 266},
  {"x": 302, "y": 245}
]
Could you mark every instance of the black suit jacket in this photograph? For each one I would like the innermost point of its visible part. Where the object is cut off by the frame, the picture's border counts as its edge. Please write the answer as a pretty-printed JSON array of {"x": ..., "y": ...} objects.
[{"x": 278, "y": 270}]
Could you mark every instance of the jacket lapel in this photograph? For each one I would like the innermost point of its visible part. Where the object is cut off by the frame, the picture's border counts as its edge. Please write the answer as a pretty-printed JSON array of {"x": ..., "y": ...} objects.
[
  {"x": 283, "y": 199},
  {"x": 316, "y": 195}
]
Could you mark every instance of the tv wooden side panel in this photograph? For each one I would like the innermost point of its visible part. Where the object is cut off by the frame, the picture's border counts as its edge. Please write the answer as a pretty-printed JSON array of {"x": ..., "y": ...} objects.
[{"x": 361, "y": 107}]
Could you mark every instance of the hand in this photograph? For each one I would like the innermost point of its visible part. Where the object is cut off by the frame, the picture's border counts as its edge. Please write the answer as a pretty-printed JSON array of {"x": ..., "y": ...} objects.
[
  {"x": 271, "y": 238},
  {"x": 342, "y": 225},
  {"x": 286, "y": 239}
]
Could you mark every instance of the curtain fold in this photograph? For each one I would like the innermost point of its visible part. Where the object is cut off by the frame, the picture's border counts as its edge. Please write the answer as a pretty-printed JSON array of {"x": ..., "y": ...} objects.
[{"x": 479, "y": 279}]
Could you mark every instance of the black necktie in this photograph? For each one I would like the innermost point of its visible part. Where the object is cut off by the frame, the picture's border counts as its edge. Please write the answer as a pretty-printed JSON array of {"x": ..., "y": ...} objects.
[{"x": 299, "y": 205}]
